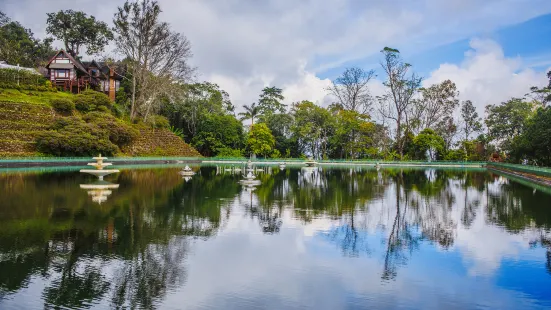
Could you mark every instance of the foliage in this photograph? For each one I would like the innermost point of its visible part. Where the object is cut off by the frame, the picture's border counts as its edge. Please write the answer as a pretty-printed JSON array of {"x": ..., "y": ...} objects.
[
  {"x": 312, "y": 129},
  {"x": 91, "y": 100},
  {"x": 34, "y": 97},
  {"x": 251, "y": 112},
  {"x": 193, "y": 104},
  {"x": 227, "y": 152},
  {"x": 157, "y": 57},
  {"x": 534, "y": 144},
  {"x": 63, "y": 105},
  {"x": 158, "y": 121},
  {"x": 507, "y": 120},
  {"x": 177, "y": 132},
  {"x": 352, "y": 89},
  {"x": 281, "y": 125},
  {"x": 119, "y": 132},
  {"x": 270, "y": 101},
  {"x": 428, "y": 144},
  {"x": 353, "y": 136},
  {"x": 471, "y": 122},
  {"x": 436, "y": 103},
  {"x": 260, "y": 140},
  {"x": 401, "y": 89},
  {"x": 74, "y": 137},
  {"x": 76, "y": 29},
  {"x": 218, "y": 133},
  {"x": 19, "y": 46}
]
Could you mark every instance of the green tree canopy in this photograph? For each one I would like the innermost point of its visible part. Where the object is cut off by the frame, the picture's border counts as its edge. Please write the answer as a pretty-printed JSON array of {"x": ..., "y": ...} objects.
[
  {"x": 271, "y": 101},
  {"x": 507, "y": 120},
  {"x": 76, "y": 29},
  {"x": 19, "y": 46},
  {"x": 260, "y": 140},
  {"x": 428, "y": 144},
  {"x": 217, "y": 133}
]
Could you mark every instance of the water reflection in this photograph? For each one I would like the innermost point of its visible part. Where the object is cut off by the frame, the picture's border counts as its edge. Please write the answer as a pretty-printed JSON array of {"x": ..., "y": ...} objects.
[
  {"x": 99, "y": 190},
  {"x": 148, "y": 237}
]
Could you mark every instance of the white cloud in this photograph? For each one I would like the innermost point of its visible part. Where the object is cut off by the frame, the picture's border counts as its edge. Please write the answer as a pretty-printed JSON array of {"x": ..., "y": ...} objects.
[
  {"x": 246, "y": 45},
  {"x": 486, "y": 76}
]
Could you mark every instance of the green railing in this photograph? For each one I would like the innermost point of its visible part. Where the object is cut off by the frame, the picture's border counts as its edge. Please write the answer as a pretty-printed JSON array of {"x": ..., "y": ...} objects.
[{"x": 539, "y": 171}]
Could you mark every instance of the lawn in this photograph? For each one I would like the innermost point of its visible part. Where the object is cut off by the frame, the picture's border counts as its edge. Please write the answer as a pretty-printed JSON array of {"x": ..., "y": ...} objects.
[{"x": 31, "y": 96}]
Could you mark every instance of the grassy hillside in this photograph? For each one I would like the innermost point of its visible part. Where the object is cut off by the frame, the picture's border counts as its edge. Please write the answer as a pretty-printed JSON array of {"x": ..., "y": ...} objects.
[{"x": 24, "y": 115}]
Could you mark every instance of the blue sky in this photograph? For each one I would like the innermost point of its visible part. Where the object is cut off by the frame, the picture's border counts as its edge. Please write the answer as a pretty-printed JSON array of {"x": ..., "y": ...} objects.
[{"x": 528, "y": 40}]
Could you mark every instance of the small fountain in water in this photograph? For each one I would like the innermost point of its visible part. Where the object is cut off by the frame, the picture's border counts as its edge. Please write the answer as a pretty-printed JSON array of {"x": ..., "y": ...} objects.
[
  {"x": 99, "y": 165},
  {"x": 250, "y": 180},
  {"x": 282, "y": 165},
  {"x": 187, "y": 171}
]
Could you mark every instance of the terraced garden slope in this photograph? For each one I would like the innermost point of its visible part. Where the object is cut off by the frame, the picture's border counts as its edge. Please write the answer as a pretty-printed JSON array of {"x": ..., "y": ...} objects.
[{"x": 26, "y": 114}]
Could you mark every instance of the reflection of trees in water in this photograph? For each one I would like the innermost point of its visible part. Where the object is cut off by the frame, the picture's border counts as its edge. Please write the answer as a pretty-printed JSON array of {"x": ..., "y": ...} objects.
[
  {"x": 144, "y": 279},
  {"x": 76, "y": 242}
]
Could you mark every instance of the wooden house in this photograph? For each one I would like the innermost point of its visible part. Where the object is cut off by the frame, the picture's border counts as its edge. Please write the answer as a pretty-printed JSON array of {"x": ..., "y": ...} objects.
[{"x": 69, "y": 73}]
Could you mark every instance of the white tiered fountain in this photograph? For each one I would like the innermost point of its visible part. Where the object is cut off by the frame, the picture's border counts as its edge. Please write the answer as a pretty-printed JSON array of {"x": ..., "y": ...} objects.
[
  {"x": 99, "y": 165},
  {"x": 250, "y": 180},
  {"x": 282, "y": 165},
  {"x": 187, "y": 171},
  {"x": 100, "y": 190}
]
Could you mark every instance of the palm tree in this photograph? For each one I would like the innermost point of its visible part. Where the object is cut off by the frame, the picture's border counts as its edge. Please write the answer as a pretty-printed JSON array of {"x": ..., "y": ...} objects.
[{"x": 251, "y": 112}]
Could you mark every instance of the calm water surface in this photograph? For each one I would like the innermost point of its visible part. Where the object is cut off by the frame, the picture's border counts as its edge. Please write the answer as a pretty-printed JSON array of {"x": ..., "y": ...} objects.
[{"x": 339, "y": 238}]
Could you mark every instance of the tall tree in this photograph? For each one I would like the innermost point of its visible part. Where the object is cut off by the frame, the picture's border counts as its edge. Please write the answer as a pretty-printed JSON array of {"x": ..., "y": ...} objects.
[
  {"x": 271, "y": 101},
  {"x": 157, "y": 56},
  {"x": 401, "y": 89},
  {"x": 76, "y": 29},
  {"x": 261, "y": 141},
  {"x": 190, "y": 104},
  {"x": 18, "y": 45},
  {"x": 352, "y": 89},
  {"x": 4, "y": 19},
  {"x": 471, "y": 122},
  {"x": 251, "y": 112},
  {"x": 507, "y": 120},
  {"x": 542, "y": 95},
  {"x": 436, "y": 103},
  {"x": 313, "y": 127}
]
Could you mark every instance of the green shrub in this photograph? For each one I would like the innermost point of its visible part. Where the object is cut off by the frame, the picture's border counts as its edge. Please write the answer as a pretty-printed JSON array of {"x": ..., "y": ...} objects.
[
  {"x": 158, "y": 121},
  {"x": 229, "y": 152},
  {"x": 120, "y": 133},
  {"x": 74, "y": 137},
  {"x": 63, "y": 105},
  {"x": 91, "y": 100}
]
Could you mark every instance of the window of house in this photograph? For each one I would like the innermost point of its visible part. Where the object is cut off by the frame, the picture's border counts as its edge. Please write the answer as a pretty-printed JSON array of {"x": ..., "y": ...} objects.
[
  {"x": 62, "y": 73},
  {"x": 117, "y": 85}
]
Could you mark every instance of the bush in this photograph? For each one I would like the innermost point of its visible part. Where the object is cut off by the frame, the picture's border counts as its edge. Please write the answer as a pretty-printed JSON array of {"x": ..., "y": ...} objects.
[
  {"x": 74, "y": 137},
  {"x": 120, "y": 133},
  {"x": 63, "y": 105},
  {"x": 91, "y": 100},
  {"x": 158, "y": 121},
  {"x": 229, "y": 152}
]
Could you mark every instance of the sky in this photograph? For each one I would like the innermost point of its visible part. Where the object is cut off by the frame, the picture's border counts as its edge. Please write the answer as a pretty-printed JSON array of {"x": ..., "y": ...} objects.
[{"x": 492, "y": 49}]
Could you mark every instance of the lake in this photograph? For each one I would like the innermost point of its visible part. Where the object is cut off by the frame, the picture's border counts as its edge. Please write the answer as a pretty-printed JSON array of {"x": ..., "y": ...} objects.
[{"x": 322, "y": 238}]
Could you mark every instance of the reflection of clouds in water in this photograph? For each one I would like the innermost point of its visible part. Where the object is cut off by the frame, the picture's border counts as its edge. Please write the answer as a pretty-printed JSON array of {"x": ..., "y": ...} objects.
[{"x": 242, "y": 267}]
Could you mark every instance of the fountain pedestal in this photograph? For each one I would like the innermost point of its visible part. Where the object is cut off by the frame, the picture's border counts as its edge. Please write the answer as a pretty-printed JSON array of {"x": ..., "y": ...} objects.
[{"x": 99, "y": 165}]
